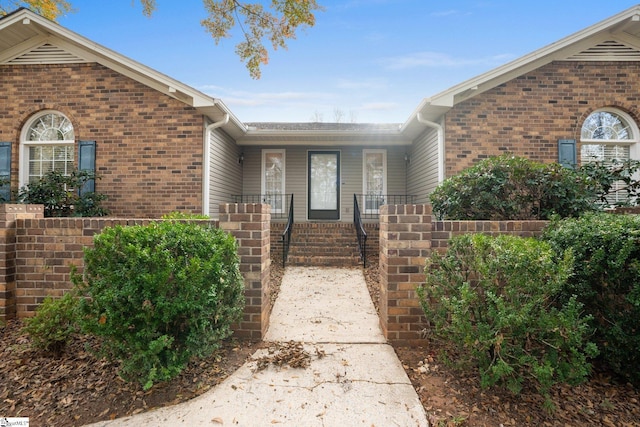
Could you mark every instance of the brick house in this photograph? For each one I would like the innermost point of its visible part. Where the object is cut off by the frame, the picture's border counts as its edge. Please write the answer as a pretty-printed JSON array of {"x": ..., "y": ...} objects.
[{"x": 162, "y": 146}]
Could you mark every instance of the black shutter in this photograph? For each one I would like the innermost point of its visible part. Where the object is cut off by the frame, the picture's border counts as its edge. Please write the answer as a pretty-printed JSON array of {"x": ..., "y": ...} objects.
[
  {"x": 5, "y": 171},
  {"x": 567, "y": 153},
  {"x": 87, "y": 162}
]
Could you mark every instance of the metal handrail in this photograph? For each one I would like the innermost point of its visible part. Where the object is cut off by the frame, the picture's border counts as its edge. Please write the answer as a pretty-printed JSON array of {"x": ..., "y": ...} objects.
[
  {"x": 360, "y": 232},
  {"x": 286, "y": 235},
  {"x": 277, "y": 201},
  {"x": 371, "y": 203}
]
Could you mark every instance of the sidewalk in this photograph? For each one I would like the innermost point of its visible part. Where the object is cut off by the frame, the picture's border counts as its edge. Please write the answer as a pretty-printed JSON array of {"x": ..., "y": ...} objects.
[{"x": 353, "y": 377}]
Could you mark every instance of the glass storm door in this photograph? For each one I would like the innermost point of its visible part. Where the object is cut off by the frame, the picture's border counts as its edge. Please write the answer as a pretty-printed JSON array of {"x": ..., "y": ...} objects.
[{"x": 324, "y": 185}]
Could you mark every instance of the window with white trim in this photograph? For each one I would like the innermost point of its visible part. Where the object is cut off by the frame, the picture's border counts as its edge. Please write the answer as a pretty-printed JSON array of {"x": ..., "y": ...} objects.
[
  {"x": 47, "y": 144},
  {"x": 609, "y": 136},
  {"x": 273, "y": 179},
  {"x": 374, "y": 179}
]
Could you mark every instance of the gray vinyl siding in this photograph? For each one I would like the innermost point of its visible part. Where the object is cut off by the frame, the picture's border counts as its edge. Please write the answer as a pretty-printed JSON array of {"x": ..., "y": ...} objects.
[
  {"x": 225, "y": 173},
  {"x": 422, "y": 171},
  {"x": 252, "y": 169},
  {"x": 296, "y": 159}
]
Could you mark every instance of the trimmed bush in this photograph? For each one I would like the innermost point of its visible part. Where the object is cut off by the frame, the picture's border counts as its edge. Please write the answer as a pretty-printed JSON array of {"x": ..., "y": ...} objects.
[
  {"x": 494, "y": 299},
  {"x": 54, "y": 323},
  {"x": 606, "y": 281},
  {"x": 160, "y": 294},
  {"x": 514, "y": 188}
]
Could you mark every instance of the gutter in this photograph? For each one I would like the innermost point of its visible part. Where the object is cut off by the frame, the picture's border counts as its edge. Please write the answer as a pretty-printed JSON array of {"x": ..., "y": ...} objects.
[
  {"x": 206, "y": 163},
  {"x": 438, "y": 127}
]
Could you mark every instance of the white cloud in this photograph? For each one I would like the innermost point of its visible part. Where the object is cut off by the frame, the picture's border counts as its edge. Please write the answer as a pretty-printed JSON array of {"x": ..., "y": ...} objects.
[
  {"x": 379, "y": 106},
  {"x": 370, "y": 84},
  {"x": 440, "y": 60},
  {"x": 445, "y": 13},
  {"x": 233, "y": 97}
]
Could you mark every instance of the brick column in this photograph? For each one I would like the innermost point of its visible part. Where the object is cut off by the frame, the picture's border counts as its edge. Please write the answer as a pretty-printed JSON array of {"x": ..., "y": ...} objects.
[
  {"x": 405, "y": 244},
  {"x": 249, "y": 224},
  {"x": 9, "y": 213}
]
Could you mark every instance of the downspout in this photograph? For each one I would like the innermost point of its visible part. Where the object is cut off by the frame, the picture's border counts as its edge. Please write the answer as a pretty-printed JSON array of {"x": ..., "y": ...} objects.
[
  {"x": 206, "y": 161},
  {"x": 438, "y": 127}
]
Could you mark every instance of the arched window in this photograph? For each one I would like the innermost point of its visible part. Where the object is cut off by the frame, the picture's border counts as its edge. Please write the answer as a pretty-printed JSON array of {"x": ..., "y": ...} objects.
[
  {"x": 609, "y": 136},
  {"x": 47, "y": 144}
]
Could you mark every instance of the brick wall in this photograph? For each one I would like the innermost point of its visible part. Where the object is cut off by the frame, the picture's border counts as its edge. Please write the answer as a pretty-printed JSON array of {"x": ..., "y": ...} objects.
[
  {"x": 408, "y": 236},
  {"x": 405, "y": 243},
  {"x": 9, "y": 214},
  {"x": 46, "y": 248},
  {"x": 249, "y": 224},
  {"x": 527, "y": 115},
  {"x": 149, "y": 145},
  {"x": 36, "y": 255}
]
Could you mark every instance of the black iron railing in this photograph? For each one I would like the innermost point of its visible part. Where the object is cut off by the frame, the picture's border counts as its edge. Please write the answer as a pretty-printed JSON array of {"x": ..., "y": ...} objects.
[
  {"x": 370, "y": 203},
  {"x": 286, "y": 235},
  {"x": 279, "y": 202},
  {"x": 360, "y": 232}
]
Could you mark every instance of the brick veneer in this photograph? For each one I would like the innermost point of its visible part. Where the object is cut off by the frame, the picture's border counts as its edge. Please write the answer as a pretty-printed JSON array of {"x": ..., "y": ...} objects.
[
  {"x": 36, "y": 255},
  {"x": 527, "y": 115},
  {"x": 408, "y": 235},
  {"x": 405, "y": 244},
  {"x": 149, "y": 145},
  {"x": 250, "y": 223}
]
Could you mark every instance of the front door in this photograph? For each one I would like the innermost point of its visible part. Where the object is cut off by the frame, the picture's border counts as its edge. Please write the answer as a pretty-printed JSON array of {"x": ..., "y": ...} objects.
[{"x": 324, "y": 185}]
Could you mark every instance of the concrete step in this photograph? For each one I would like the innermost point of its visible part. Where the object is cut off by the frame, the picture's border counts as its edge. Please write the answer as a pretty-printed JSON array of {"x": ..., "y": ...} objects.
[{"x": 323, "y": 261}]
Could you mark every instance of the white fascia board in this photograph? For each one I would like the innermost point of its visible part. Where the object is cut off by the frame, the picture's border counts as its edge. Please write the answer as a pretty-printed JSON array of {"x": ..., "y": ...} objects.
[{"x": 12, "y": 18}]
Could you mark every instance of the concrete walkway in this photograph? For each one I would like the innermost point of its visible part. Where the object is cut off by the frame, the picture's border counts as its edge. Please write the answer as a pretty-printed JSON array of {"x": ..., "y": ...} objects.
[{"x": 353, "y": 377}]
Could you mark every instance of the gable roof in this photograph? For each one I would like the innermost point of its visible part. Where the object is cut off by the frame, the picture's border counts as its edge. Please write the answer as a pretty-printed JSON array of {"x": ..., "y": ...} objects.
[
  {"x": 28, "y": 38},
  {"x": 614, "y": 39}
]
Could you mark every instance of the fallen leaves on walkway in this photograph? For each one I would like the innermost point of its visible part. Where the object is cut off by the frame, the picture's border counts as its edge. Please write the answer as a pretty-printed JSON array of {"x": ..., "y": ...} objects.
[{"x": 279, "y": 354}]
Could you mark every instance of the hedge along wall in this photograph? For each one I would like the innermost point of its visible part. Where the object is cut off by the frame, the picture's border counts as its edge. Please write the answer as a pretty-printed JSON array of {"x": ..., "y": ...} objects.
[
  {"x": 36, "y": 255},
  {"x": 408, "y": 236}
]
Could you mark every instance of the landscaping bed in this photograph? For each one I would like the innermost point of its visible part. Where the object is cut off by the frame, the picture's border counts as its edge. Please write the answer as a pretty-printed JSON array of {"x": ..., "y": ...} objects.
[{"x": 77, "y": 388}]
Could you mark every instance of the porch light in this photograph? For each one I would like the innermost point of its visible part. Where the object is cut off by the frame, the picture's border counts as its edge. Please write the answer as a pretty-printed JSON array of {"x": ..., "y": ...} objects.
[{"x": 241, "y": 158}]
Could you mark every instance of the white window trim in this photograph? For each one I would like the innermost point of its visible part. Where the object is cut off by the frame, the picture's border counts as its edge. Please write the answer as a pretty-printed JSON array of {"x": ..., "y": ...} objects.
[
  {"x": 364, "y": 175},
  {"x": 263, "y": 180},
  {"x": 23, "y": 175}
]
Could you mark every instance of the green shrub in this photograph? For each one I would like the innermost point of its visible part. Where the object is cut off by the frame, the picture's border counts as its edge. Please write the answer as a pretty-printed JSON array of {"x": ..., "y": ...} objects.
[
  {"x": 510, "y": 187},
  {"x": 54, "y": 323},
  {"x": 616, "y": 181},
  {"x": 184, "y": 215},
  {"x": 494, "y": 300},
  {"x": 606, "y": 281},
  {"x": 160, "y": 294},
  {"x": 58, "y": 193}
]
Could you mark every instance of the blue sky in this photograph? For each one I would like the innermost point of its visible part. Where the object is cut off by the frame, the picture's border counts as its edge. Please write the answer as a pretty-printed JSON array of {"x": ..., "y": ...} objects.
[{"x": 363, "y": 61}]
